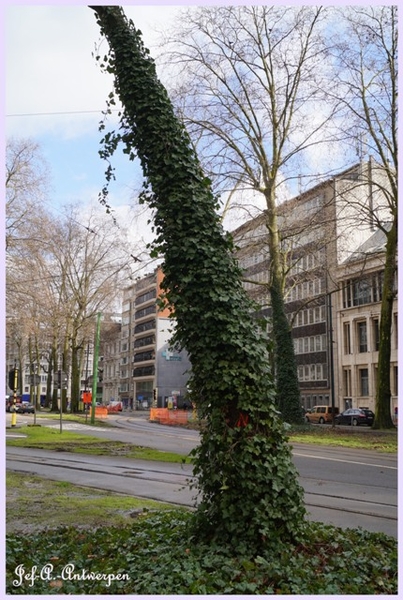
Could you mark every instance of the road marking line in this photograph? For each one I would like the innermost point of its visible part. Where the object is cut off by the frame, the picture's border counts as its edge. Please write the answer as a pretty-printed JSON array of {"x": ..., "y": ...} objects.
[
  {"x": 350, "y": 462},
  {"x": 74, "y": 426}
]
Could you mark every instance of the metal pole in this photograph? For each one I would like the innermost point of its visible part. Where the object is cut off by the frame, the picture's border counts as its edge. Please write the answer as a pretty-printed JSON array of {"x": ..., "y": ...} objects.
[
  {"x": 331, "y": 366},
  {"x": 95, "y": 367},
  {"x": 14, "y": 407},
  {"x": 86, "y": 407}
]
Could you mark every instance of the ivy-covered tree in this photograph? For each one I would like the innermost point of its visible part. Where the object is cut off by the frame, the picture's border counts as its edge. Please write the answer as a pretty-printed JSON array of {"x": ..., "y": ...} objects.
[{"x": 249, "y": 493}]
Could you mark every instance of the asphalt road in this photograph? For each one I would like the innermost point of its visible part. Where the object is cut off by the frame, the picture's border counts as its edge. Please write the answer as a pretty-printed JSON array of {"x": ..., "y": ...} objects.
[{"x": 343, "y": 487}]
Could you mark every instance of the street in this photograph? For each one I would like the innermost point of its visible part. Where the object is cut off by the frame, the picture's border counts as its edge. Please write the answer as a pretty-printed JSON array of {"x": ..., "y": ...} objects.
[{"x": 343, "y": 487}]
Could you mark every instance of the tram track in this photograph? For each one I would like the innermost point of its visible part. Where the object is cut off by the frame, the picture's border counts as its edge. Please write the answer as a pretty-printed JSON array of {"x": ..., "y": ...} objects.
[{"x": 170, "y": 482}]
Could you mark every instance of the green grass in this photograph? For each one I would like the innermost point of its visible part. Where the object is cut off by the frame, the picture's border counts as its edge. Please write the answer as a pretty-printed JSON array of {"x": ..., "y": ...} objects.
[
  {"x": 52, "y": 439},
  {"x": 383, "y": 441},
  {"x": 34, "y": 503},
  {"x": 67, "y": 441}
]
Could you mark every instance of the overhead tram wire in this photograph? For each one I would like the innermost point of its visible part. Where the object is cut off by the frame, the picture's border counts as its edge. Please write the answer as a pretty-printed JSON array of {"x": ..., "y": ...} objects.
[{"x": 61, "y": 113}]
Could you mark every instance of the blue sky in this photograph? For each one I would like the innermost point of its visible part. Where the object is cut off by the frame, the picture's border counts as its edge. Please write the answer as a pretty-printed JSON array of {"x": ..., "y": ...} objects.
[{"x": 55, "y": 93}]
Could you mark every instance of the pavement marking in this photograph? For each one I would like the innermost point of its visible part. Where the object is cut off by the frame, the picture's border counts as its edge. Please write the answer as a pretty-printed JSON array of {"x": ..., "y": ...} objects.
[
  {"x": 79, "y": 426},
  {"x": 354, "y": 462}
]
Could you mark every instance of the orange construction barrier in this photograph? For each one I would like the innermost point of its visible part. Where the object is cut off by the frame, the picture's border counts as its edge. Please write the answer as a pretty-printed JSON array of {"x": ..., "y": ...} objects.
[
  {"x": 169, "y": 417},
  {"x": 101, "y": 412},
  {"x": 158, "y": 413}
]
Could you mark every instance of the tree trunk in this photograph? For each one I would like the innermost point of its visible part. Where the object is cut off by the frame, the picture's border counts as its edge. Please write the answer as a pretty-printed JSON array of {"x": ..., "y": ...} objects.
[
  {"x": 287, "y": 388},
  {"x": 75, "y": 377},
  {"x": 383, "y": 418},
  {"x": 249, "y": 492}
]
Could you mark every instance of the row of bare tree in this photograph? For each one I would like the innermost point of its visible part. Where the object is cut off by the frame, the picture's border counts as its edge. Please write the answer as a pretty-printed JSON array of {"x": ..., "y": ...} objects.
[
  {"x": 61, "y": 271},
  {"x": 271, "y": 96}
]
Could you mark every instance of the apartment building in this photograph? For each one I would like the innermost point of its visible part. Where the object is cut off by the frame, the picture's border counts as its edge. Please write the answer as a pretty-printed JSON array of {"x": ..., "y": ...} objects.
[
  {"x": 320, "y": 230},
  {"x": 358, "y": 307},
  {"x": 109, "y": 360},
  {"x": 151, "y": 372}
]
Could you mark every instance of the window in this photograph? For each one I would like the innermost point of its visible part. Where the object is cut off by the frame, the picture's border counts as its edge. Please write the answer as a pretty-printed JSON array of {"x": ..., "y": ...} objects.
[
  {"x": 361, "y": 292},
  {"x": 362, "y": 336},
  {"x": 375, "y": 329},
  {"x": 145, "y": 311},
  {"x": 346, "y": 382},
  {"x": 143, "y": 371},
  {"x": 396, "y": 329},
  {"x": 395, "y": 380},
  {"x": 363, "y": 382},
  {"x": 145, "y": 297},
  {"x": 346, "y": 338}
]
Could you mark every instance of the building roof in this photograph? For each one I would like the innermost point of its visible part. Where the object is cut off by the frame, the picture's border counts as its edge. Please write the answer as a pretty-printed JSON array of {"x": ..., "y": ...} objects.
[{"x": 373, "y": 245}]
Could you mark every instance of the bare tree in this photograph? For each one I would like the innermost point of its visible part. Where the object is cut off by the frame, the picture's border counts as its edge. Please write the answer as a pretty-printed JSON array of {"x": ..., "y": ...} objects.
[
  {"x": 59, "y": 279},
  {"x": 27, "y": 180},
  {"x": 366, "y": 72},
  {"x": 250, "y": 76}
]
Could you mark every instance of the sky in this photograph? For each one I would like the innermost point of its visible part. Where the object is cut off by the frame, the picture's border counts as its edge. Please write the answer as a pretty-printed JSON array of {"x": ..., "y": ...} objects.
[{"x": 55, "y": 93}]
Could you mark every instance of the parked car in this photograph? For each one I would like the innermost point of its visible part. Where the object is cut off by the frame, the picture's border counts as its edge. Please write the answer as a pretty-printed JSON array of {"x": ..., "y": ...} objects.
[
  {"x": 10, "y": 404},
  {"x": 320, "y": 414},
  {"x": 25, "y": 407},
  {"x": 355, "y": 416}
]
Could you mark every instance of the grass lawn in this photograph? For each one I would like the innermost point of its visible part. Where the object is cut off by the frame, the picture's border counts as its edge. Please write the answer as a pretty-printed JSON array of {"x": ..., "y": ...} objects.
[
  {"x": 353, "y": 437},
  {"x": 121, "y": 545},
  {"x": 67, "y": 441},
  {"x": 34, "y": 503}
]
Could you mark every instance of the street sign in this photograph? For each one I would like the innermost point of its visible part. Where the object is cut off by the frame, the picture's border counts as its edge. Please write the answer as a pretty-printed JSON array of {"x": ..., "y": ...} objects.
[
  {"x": 87, "y": 397},
  {"x": 34, "y": 379}
]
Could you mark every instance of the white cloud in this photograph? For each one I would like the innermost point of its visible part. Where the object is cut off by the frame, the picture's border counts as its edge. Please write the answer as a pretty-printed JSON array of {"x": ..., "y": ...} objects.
[{"x": 50, "y": 67}]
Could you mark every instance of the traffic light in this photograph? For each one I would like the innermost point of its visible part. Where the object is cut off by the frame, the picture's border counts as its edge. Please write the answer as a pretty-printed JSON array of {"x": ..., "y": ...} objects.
[
  {"x": 155, "y": 396},
  {"x": 61, "y": 380},
  {"x": 14, "y": 379}
]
